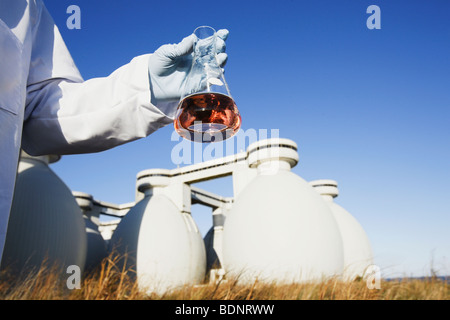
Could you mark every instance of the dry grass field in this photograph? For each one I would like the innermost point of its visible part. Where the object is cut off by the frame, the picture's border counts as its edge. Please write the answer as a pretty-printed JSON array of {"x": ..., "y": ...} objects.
[{"x": 110, "y": 282}]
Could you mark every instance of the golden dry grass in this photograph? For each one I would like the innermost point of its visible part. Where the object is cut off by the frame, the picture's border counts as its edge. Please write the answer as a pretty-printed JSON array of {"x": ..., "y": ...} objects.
[{"x": 111, "y": 282}]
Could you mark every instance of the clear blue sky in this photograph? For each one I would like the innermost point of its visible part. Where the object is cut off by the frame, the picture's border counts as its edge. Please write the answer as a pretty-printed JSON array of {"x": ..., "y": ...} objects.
[{"x": 368, "y": 108}]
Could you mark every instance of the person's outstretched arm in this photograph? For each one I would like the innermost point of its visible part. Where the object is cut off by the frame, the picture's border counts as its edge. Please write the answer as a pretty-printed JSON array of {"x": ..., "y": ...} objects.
[{"x": 66, "y": 115}]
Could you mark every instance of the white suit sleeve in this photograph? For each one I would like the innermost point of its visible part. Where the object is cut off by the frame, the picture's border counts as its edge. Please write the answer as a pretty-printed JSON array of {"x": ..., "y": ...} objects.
[{"x": 66, "y": 115}]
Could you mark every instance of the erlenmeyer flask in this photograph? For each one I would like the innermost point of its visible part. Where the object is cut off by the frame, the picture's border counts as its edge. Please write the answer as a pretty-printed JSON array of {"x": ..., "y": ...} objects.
[{"x": 206, "y": 112}]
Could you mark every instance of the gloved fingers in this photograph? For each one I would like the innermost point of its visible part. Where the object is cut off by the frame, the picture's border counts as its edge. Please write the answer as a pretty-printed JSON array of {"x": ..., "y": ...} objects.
[
  {"x": 185, "y": 46},
  {"x": 222, "y": 35},
  {"x": 222, "y": 59},
  {"x": 174, "y": 51}
]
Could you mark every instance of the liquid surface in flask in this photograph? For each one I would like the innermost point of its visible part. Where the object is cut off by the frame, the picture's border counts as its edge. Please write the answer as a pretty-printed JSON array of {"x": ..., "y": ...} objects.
[{"x": 207, "y": 117}]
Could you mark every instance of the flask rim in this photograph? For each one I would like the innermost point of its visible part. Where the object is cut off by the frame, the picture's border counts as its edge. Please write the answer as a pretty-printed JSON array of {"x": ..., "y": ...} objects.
[{"x": 202, "y": 32}]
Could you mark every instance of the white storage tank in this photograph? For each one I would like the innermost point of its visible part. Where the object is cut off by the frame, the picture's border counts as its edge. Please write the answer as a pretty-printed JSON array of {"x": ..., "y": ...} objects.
[
  {"x": 163, "y": 245},
  {"x": 279, "y": 229},
  {"x": 45, "y": 224},
  {"x": 96, "y": 245},
  {"x": 357, "y": 250}
]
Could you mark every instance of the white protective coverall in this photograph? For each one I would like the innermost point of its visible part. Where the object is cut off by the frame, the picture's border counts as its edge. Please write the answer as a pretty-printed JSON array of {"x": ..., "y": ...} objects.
[{"x": 46, "y": 108}]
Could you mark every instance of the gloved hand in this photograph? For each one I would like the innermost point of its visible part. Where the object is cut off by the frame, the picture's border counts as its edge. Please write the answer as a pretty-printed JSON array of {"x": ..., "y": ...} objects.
[{"x": 168, "y": 68}]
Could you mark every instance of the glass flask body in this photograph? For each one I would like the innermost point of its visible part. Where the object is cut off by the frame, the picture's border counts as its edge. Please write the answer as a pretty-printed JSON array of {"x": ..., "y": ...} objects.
[{"x": 206, "y": 112}]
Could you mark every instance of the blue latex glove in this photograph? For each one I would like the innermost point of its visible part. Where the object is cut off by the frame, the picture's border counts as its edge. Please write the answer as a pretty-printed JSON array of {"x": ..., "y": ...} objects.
[{"x": 168, "y": 68}]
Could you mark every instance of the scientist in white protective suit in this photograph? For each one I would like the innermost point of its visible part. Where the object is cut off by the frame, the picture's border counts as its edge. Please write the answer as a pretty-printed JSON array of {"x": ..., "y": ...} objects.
[{"x": 47, "y": 108}]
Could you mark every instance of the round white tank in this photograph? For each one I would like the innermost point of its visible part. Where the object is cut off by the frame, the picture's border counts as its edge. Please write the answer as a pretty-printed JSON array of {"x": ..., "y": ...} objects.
[
  {"x": 357, "y": 250},
  {"x": 45, "y": 223},
  {"x": 163, "y": 245},
  {"x": 96, "y": 245},
  {"x": 279, "y": 229}
]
